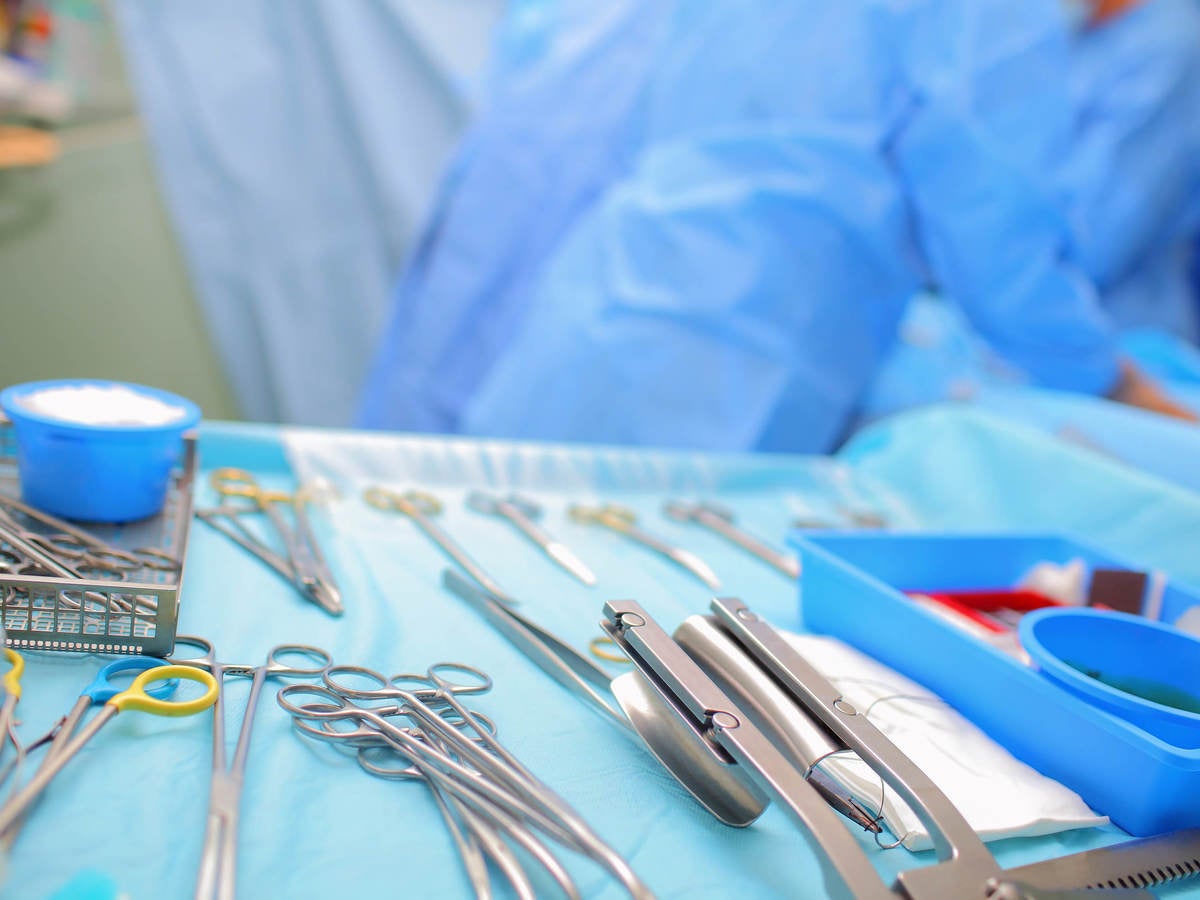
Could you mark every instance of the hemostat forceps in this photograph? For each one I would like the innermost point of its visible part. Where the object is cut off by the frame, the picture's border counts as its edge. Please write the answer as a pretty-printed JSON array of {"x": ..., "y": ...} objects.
[{"x": 302, "y": 563}]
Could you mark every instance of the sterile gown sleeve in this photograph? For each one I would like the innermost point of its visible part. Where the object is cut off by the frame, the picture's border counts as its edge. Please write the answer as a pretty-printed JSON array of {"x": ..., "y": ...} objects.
[
  {"x": 726, "y": 296},
  {"x": 991, "y": 121},
  {"x": 1133, "y": 180}
]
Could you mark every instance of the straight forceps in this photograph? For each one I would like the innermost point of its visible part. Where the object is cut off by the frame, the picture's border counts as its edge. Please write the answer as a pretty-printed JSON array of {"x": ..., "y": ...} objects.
[
  {"x": 624, "y": 521},
  {"x": 302, "y": 564},
  {"x": 522, "y": 513},
  {"x": 218, "y": 862},
  {"x": 421, "y": 508},
  {"x": 134, "y": 697},
  {"x": 101, "y": 690},
  {"x": 720, "y": 520},
  {"x": 550, "y": 653}
]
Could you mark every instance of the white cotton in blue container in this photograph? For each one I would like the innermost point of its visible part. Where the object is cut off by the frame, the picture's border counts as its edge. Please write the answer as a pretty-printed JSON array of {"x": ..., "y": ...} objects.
[{"x": 99, "y": 451}]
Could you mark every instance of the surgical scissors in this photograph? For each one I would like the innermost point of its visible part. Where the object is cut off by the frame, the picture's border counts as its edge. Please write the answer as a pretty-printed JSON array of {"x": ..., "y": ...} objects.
[
  {"x": 100, "y": 690},
  {"x": 218, "y": 863},
  {"x": 720, "y": 520},
  {"x": 479, "y": 770},
  {"x": 303, "y": 563},
  {"x": 477, "y": 822},
  {"x": 624, "y": 521},
  {"x": 135, "y": 697},
  {"x": 427, "y": 687},
  {"x": 421, "y": 508},
  {"x": 522, "y": 513}
]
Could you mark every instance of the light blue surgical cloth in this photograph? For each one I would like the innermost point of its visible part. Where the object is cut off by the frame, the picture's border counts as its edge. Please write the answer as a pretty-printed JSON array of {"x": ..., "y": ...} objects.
[
  {"x": 298, "y": 146},
  {"x": 698, "y": 226}
]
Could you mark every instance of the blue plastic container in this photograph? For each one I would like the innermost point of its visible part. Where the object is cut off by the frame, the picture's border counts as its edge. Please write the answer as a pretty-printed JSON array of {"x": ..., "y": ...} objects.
[
  {"x": 1125, "y": 664},
  {"x": 98, "y": 473},
  {"x": 853, "y": 588}
]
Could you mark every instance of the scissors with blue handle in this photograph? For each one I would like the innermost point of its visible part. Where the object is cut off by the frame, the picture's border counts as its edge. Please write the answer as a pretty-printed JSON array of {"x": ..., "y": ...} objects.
[
  {"x": 135, "y": 697},
  {"x": 218, "y": 862},
  {"x": 100, "y": 691}
]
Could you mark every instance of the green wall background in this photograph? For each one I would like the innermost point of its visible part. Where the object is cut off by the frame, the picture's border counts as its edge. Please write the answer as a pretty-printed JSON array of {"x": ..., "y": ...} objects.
[{"x": 92, "y": 283}]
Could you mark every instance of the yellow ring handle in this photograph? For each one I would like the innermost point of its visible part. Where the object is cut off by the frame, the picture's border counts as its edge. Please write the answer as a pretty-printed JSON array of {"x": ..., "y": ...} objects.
[
  {"x": 12, "y": 678},
  {"x": 597, "y": 644},
  {"x": 135, "y": 696}
]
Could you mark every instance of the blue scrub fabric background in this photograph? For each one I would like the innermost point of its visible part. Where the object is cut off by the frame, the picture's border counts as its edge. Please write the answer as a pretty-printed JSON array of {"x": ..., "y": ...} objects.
[
  {"x": 299, "y": 146},
  {"x": 728, "y": 204}
]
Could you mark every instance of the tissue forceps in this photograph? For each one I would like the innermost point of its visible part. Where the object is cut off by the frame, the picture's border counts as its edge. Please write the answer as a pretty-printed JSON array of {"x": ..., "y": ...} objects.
[
  {"x": 624, "y": 521},
  {"x": 421, "y": 508},
  {"x": 720, "y": 520},
  {"x": 522, "y": 513},
  {"x": 218, "y": 862},
  {"x": 302, "y": 564}
]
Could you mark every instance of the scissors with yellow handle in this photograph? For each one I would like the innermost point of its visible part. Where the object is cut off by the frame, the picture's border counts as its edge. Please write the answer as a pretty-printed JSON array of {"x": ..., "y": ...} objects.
[
  {"x": 102, "y": 689},
  {"x": 135, "y": 697},
  {"x": 302, "y": 562}
]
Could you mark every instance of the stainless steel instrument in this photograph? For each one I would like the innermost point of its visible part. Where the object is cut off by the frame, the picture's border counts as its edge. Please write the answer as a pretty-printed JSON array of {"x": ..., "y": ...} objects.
[
  {"x": 522, "y": 512},
  {"x": 624, "y": 521},
  {"x": 720, "y": 520},
  {"x": 965, "y": 870}
]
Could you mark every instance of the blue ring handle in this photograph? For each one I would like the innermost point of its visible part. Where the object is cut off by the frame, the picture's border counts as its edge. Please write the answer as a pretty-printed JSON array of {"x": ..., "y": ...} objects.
[{"x": 101, "y": 690}]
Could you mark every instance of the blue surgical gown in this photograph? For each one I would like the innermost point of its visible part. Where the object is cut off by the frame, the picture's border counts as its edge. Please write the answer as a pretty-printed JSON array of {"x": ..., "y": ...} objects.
[{"x": 698, "y": 224}]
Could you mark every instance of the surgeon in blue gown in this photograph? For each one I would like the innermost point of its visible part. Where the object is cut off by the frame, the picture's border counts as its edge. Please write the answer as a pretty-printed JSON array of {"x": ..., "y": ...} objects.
[{"x": 698, "y": 224}]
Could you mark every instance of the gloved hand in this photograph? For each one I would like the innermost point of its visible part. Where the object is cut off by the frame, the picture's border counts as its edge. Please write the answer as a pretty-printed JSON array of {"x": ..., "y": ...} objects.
[{"x": 1135, "y": 388}]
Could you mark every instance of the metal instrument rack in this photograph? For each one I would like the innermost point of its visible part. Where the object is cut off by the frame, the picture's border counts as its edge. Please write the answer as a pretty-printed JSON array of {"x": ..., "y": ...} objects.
[{"x": 136, "y": 615}]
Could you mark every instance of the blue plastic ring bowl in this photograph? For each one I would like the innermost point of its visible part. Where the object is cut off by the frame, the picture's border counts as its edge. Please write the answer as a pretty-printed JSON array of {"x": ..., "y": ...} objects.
[
  {"x": 1144, "y": 656},
  {"x": 97, "y": 473}
]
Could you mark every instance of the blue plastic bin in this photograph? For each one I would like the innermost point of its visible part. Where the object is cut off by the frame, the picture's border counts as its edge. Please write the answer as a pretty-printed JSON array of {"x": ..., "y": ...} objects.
[
  {"x": 852, "y": 587},
  {"x": 97, "y": 473}
]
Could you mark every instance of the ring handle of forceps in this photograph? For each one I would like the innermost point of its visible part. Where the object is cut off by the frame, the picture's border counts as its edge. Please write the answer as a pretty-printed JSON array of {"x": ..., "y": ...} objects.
[
  {"x": 619, "y": 518},
  {"x": 230, "y": 481},
  {"x": 101, "y": 690},
  {"x": 490, "y": 505},
  {"x": 390, "y": 501},
  {"x": 137, "y": 696},
  {"x": 315, "y": 718},
  {"x": 387, "y": 688}
]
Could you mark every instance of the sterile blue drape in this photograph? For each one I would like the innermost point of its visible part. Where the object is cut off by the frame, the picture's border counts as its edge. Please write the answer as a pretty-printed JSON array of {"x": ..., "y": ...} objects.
[
  {"x": 298, "y": 145},
  {"x": 698, "y": 224}
]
